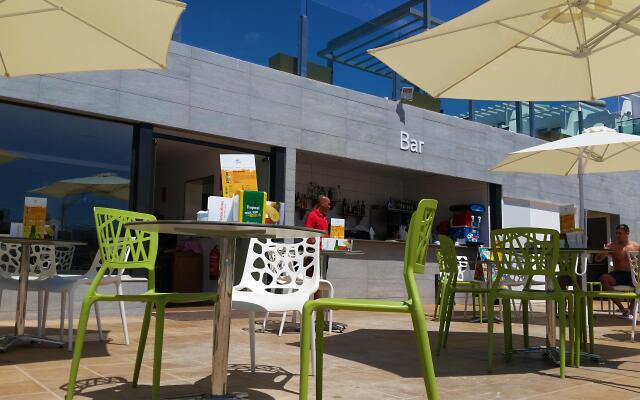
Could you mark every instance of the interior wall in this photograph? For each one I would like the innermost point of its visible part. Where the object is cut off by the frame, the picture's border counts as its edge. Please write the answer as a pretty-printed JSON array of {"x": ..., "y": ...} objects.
[
  {"x": 358, "y": 185},
  {"x": 173, "y": 173},
  {"x": 376, "y": 185},
  {"x": 527, "y": 213},
  {"x": 451, "y": 191}
]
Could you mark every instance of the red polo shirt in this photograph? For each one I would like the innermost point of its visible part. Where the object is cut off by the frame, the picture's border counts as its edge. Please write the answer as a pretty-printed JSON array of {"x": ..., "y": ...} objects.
[{"x": 317, "y": 220}]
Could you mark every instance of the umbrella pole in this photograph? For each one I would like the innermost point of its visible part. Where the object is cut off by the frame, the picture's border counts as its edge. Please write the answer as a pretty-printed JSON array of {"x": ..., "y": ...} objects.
[{"x": 581, "y": 211}]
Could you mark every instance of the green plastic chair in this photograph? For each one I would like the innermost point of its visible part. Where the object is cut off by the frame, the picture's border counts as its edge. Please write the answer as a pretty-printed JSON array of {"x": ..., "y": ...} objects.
[
  {"x": 527, "y": 252},
  {"x": 115, "y": 242},
  {"x": 448, "y": 263},
  {"x": 588, "y": 296},
  {"x": 415, "y": 253}
]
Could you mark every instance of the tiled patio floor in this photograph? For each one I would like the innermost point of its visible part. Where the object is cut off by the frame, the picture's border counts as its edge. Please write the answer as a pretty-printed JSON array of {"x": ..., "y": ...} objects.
[{"x": 374, "y": 359}]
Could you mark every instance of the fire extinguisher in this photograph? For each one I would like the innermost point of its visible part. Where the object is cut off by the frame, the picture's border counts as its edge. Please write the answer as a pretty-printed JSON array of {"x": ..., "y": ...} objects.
[{"x": 214, "y": 263}]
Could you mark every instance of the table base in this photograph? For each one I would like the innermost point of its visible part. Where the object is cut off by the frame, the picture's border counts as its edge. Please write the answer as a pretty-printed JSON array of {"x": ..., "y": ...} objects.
[
  {"x": 476, "y": 320},
  {"x": 553, "y": 354},
  {"x": 7, "y": 342},
  {"x": 228, "y": 396}
]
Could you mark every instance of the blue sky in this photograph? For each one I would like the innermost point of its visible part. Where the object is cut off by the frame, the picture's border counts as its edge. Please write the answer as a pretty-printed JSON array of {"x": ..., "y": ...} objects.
[{"x": 255, "y": 30}]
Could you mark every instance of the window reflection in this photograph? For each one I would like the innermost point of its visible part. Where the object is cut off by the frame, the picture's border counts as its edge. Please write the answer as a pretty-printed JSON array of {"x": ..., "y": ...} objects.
[{"x": 76, "y": 162}]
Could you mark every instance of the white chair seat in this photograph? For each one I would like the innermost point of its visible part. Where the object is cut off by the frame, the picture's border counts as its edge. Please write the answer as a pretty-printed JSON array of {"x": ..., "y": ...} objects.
[{"x": 267, "y": 302}]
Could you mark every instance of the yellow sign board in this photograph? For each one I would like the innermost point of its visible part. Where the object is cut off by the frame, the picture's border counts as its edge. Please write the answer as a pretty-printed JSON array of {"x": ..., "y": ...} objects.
[{"x": 238, "y": 173}]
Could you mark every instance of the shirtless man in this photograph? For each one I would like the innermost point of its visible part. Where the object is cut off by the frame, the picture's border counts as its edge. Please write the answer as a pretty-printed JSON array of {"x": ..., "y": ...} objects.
[{"x": 621, "y": 274}]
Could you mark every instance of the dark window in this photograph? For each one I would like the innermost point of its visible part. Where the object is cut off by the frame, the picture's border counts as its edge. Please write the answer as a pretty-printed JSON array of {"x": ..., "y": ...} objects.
[{"x": 43, "y": 148}]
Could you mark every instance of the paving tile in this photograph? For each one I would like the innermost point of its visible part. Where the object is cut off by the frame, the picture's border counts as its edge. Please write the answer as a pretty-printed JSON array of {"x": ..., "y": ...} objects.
[{"x": 374, "y": 358}]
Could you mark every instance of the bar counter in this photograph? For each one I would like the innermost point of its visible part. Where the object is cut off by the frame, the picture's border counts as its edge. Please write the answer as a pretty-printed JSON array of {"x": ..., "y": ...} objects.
[{"x": 377, "y": 273}]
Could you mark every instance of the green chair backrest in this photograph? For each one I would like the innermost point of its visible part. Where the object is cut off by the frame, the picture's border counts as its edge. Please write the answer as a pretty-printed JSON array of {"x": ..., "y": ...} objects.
[
  {"x": 567, "y": 267},
  {"x": 122, "y": 247},
  {"x": 526, "y": 252},
  {"x": 415, "y": 249}
]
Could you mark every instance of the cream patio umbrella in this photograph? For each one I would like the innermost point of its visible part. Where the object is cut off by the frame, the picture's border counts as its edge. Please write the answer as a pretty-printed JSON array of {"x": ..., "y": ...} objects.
[
  {"x": 51, "y": 36},
  {"x": 7, "y": 156},
  {"x": 596, "y": 150},
  {"x": 105, "y": 185},
  {"x": 529, "y": 50}
]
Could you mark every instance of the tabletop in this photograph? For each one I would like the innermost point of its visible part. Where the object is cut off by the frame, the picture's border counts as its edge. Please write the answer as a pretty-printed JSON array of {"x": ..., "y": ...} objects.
[
  {"x": 226, "y": 229},
  {"x": 341, "y": 252},
  {"x": 44, "y": 242}
]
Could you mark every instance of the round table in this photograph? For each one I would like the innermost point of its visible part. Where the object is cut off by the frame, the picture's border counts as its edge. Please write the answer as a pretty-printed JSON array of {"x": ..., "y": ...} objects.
[
  {"x": 228, "y": 232},
  {"x": 23, "y": 281}
]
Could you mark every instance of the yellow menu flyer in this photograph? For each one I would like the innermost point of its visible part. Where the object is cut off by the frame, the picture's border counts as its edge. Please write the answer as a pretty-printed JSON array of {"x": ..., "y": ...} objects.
[
  {"x": 35, "y": 214},
  {"x": 567, "y": 218},
  {"x": 238, "y": 173},
  {"x": 337, "y": 228}
]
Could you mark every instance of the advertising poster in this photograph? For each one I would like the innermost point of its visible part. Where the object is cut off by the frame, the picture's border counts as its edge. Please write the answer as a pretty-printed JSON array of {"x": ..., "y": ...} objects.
[{"x": 238, "y": 173}]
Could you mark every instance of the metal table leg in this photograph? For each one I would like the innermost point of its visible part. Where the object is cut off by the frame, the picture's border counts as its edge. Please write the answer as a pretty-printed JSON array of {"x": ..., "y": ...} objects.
[{"x": 222, "y": 323}]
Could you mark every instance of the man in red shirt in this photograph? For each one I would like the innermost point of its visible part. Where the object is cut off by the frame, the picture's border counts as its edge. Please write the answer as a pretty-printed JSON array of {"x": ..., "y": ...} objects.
[{"x": 317, "y": 218}]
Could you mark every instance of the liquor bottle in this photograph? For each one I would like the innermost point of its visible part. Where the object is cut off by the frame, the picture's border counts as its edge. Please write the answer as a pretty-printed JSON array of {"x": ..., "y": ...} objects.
[
  {"x": 344, "y": 206},
  {"x": 363, "y": 208}
]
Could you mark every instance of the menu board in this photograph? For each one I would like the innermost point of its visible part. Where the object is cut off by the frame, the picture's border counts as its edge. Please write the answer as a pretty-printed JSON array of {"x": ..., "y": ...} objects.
[
  {"x": 238, "y": 173},
  {"x": 35, "y": 214}
]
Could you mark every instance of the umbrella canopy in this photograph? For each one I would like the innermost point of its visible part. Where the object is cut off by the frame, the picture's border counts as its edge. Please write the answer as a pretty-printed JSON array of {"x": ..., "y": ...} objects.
[
  {"x": 50, "y": 36},
  {"x": 538, "y": 50},
  {"x": 106, "y": 185},
  {"x": 601, "y": 149},
  {"x": 7, "y": 156},
  {"x": 597, "y": 150}
]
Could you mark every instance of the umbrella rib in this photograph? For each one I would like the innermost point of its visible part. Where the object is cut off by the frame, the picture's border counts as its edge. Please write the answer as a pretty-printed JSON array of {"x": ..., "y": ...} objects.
[
  {"x": 108, "y": 35},
  {"x": 632, "y": 36},
  {"x": 533, "y": 36},
  {"x": 543, "y": 51},
  {"x": 432, "y": 35},
  {"x": 587, "y": 60},
  {"x": 615, "y": 24},
  {"x": 575, "y": 26},
  {"x": 496, "y": 57},
  {"x": 634, "y": 147},
  {"x": 514, "y": 161},
  {"x": 620, "y": 23},
  {"x": 4, "y": 65},
  {"x": 19, "y": 14}
]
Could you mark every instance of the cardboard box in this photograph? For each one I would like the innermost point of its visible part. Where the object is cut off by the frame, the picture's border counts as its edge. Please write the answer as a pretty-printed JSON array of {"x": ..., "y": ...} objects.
[{"x": 220, "y": 209}]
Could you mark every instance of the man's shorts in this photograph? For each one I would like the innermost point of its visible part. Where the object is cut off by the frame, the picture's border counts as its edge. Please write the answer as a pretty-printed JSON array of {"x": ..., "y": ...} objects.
[{"x": 622, "y": 277}]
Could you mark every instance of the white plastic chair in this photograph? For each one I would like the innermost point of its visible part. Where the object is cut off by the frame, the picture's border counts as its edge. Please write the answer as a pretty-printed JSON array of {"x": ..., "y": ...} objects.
[
  {"x": 275, "y": 280},
  {"x": 326, "y": 287},
  {"x": 41, "y": 270},
  {"x": 466, "y": 274},
  {"x": 66, "y": 285}
]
